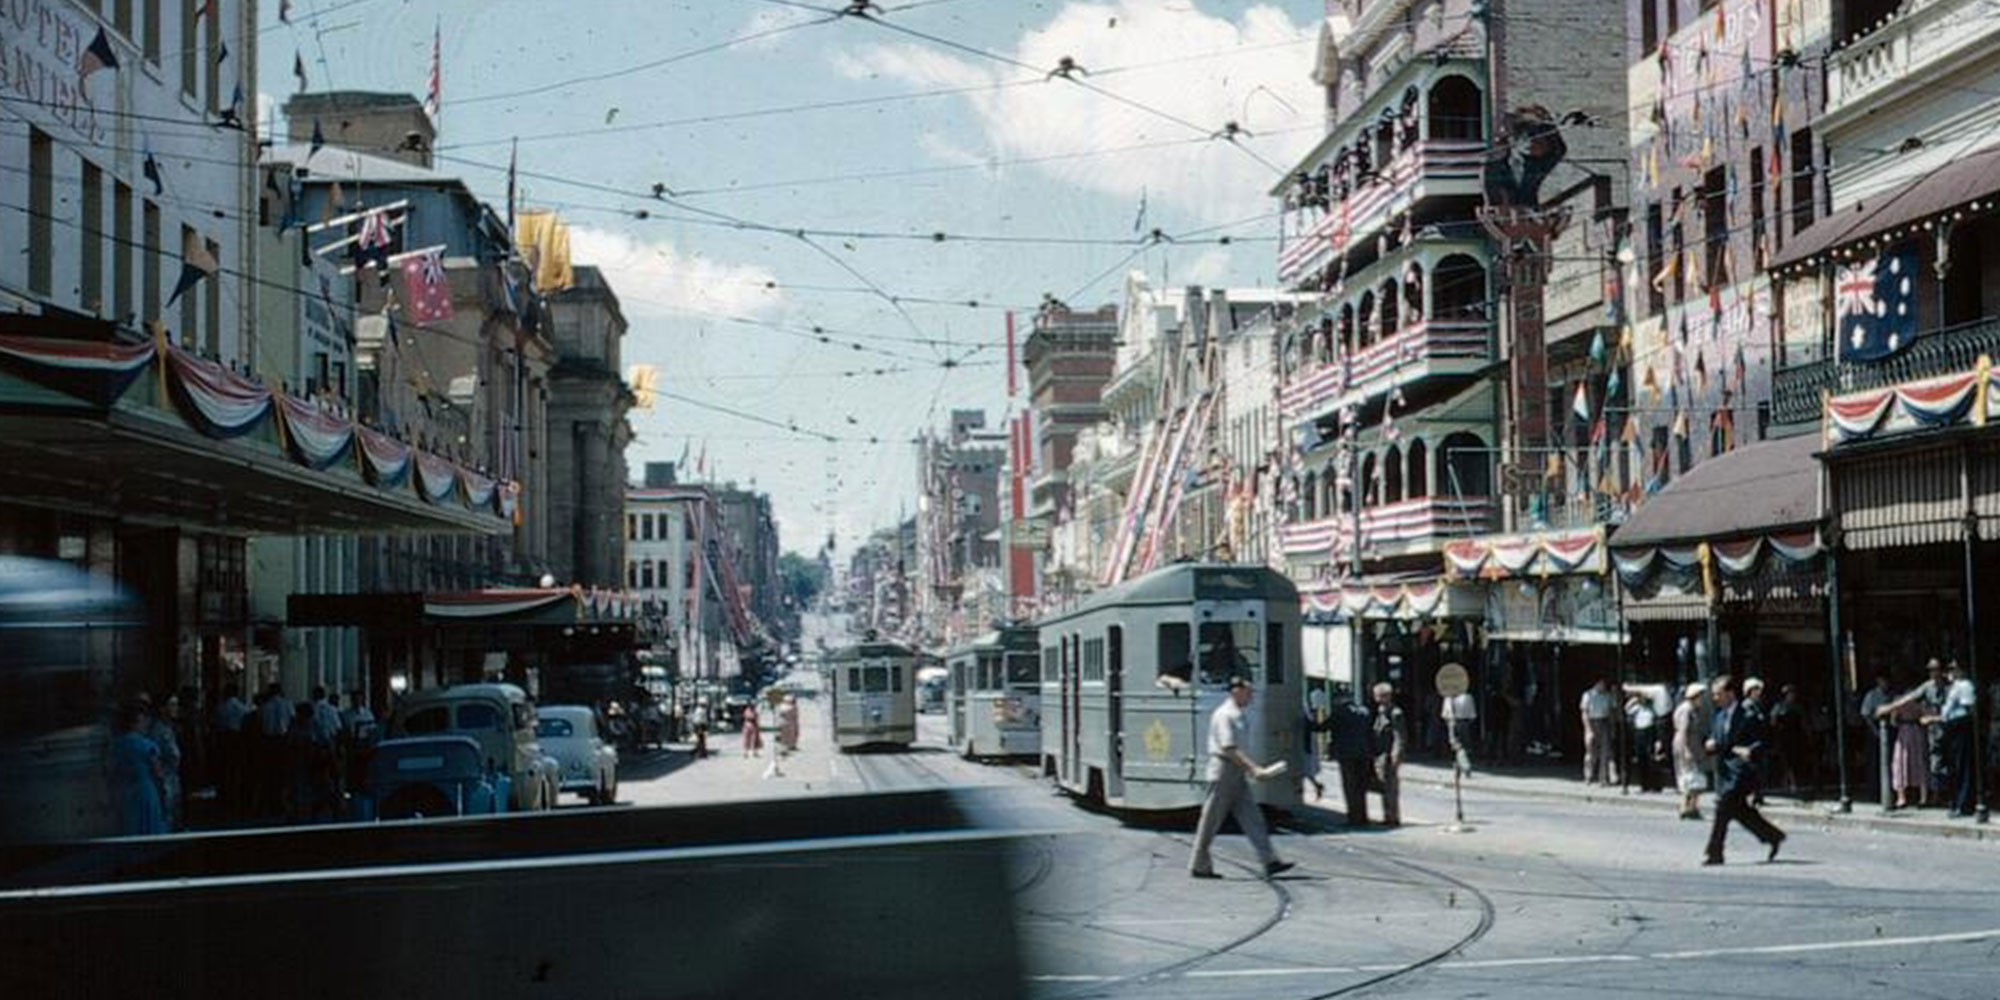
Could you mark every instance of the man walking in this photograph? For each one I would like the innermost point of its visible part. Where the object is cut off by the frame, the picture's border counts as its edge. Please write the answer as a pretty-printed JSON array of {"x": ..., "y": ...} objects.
[
  {"x": 1229, "y": 772},
  {"x": 1737, "y": 740},
  {"x": 1596, "y": 707}
]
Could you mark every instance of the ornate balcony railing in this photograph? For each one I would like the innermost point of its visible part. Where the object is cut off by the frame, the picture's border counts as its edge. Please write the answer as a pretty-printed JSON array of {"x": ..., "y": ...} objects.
[
  {"x": 1406, "y": 521},
  {"x": 1796, "y": 391},
  {"x": 1409, "y": 177},
  {"x": 1410, "y": 355},
  {"x": 1911, "y": 46}
]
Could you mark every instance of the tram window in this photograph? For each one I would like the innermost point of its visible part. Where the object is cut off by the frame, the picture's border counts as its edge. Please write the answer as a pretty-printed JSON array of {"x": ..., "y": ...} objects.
[
  {"x": 1173, "y": 652},
  {"x": 1049, "y": 664},
  {"x": 1115, "y": 651},
  {"x": 1020, "y": 668},
  {"x": 875, "y": 680},
  {"x": 1228, "y": 649},
  {"x": 958, "y": 679},
  {"x": 896, "y": 679},
  {"x": 1093, "y": 659},
  {"x": 854, "y": 678},
  {"x": 1274, "y": 653}
]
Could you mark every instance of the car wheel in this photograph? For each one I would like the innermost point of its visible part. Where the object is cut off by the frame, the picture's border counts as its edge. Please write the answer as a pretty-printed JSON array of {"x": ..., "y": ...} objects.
[{"x": 609, "y": 796}]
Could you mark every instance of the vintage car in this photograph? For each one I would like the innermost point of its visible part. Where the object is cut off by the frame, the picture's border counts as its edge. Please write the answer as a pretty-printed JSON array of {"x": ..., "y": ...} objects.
[
  {"x": 425, "y": 776},
  {"x": 501, "y": 719},
  {"x": 571, "y": 734}
]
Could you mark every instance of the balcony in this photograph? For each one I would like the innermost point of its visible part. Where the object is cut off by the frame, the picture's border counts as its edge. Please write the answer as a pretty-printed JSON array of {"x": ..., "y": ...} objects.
[
  {"x": 1425, "y": 350},
  {"x": 1796, "y": 391},
  {"x": 1410, "y": 526},
  {"x": 1429, "y": 168},
  {"x": 1917, "y": 45}
]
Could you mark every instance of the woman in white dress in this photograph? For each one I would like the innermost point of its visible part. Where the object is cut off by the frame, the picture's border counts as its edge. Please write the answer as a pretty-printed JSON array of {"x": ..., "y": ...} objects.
[{"x": 1690, "y": 731}]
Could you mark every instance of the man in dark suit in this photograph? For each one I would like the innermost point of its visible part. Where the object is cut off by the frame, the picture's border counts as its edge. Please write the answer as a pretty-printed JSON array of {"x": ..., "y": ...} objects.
[{"x": 1737, "y": 740}]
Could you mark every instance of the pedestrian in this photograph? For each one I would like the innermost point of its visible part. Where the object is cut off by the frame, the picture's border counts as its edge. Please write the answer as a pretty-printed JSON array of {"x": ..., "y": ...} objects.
[
  {"x": 1460, "y": 712},
  {"x": 229, "y": 755},
  {"x": 1690, "y": 732},
  {"x": 1349, "y": 734},
  {"x": 701, "y": 730},
  {"x": 788, "y": 723},
  {"x": 1738, "y": 742},
  {"x": 1789, "y": 732},
  {"x": 1909, "y": 758},
  {"x": 1642, "y": 719},
  {"x": 753, "y": 736},
  {"x": 1955, "y": 722},
  {"x": 1595, "y": 708},
  {"x": 1879, "y": 733},
  {"x": 136, "y": 775},
  {"x": 1387, "y": 739},
  {"x": 165, "y": 734},
  {"x": 1230, "y": 770},
  {"x": 1306, "y": 760}
]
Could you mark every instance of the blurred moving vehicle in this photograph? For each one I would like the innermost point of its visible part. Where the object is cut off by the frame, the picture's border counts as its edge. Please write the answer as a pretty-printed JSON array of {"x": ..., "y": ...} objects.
[
  {"x": 423, "y": 776},
  {"x": 571, "y": 734},
  {"x": 996, "y": 695},
  {"x": 501, "y": 719},
  {"x": 930, "y": 690},
  {"x": 66, "y": 634}
]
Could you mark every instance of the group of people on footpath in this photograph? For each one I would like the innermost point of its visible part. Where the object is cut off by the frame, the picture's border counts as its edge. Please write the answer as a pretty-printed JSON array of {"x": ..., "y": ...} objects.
[
  {"x": 1926, "y": 736},
  {"x": 264, "y": 760},
  {"x": 788, "y": 727}
]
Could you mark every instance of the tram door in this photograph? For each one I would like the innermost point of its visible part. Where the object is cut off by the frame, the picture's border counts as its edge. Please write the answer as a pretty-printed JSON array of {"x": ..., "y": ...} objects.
[
  {"x": 1114, "y": 699},
  {"x": 1073, "y": 678}
]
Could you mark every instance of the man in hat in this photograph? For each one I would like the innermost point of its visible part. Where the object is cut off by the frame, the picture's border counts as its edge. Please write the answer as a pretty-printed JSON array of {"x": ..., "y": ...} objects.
[{"x": 1229, "y": 772}]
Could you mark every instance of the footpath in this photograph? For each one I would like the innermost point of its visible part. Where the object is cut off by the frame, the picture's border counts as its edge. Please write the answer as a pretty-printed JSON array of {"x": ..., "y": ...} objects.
[{"x": 1785, "y": 810}]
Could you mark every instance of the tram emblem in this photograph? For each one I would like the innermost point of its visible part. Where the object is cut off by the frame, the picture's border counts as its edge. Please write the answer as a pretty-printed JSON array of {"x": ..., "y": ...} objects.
[{"x": 1158, "y": 741}]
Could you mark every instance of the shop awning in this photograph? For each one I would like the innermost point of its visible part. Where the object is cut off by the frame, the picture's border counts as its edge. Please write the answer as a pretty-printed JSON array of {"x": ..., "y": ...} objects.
[
  {"x": 1766, "y": 488},
  {"x": 1971, "y": 177}
]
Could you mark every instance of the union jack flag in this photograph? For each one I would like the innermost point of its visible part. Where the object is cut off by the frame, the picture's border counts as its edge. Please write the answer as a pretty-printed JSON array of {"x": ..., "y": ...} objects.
[
  {"x": 426, "y": 288},
  {"x": 1875, "y": 304},
  {"x": 372, "y": 245}
]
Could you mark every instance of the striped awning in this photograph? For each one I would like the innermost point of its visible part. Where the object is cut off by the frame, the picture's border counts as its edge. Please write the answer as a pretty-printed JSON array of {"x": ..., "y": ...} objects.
[
  {"x": 1914, "y": 496},
  {"x": 1667, "y": 607}
]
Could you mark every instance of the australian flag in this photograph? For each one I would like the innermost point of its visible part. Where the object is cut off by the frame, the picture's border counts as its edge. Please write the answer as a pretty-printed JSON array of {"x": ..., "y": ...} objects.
[{"x": 1875, "y": 306}]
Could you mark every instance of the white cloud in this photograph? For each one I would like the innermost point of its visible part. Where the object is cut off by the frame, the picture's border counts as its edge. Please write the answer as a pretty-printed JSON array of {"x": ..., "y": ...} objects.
[
  {"x": 652, "y": 276},
  {"x": 1253, "y": 69}
]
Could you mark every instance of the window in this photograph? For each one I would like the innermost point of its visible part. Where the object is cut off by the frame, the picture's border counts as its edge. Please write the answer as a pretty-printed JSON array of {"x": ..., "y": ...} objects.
[
  {"x": 646, "y": 527},
  {"x": 986, "y": 680},
  {"x": 190, "y": 299},
  {"x": 121, "y": 16},
  {"x": 152, "y": 35},
  {"x": 1802, "y": 179},
  {"x": 895, "y": 679},
  {"x": 1679, "y": 264},
  {"x": 41, "y": 211},
  {"x": 211, "y": 298},
  {"x": 1673, "y": 16},
  {"x": 1649, "y": 25},
  {"x": 1051, "y": 664},
  {"x": 1114, "y": 654},
  {"x": 631, "y": 527},
  {"x": 1228, "y": 649},
  {"x": 875, "y": 680},
  {"x": 1020, "y": 668},
  {"x": 554, "y": 729},
  {"x": 1173, "y": 651},
  {"x": 211, "y": 50},
  {"x": 854, "y": 678},
  {"x": 1656, "y": 238},
  {"x": 632, "y": 575},
  {"x": 149, "y": 297},
  {"x": 1093, "y": 659},
  {"x": 646, "y": 576},
  {"x": 1274, "y": 653},
  {"x": 1757, "y": 248},
  {"x": 90, "y": 277},
  {"x": 190, "y": 53},
  {"x": 424, "y": 721},
  {"x": 1714, "y": 228},
  {"x": 121, "y": 253}
]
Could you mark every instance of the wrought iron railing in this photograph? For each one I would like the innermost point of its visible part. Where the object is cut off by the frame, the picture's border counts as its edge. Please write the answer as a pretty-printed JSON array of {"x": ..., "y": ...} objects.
[{"x": 1796, "y": 390}]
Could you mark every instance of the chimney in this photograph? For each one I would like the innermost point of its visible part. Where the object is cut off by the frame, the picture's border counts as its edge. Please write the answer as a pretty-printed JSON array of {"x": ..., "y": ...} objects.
[{"x": 379, "y": 124}]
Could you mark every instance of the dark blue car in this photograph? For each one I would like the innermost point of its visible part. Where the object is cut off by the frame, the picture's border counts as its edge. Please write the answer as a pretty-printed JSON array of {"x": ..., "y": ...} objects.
[{"x": 423, "y": 776}]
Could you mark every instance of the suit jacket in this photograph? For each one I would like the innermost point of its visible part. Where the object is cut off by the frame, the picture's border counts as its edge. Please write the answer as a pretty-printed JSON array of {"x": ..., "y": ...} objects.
[{"x": 1741, "y": 725}]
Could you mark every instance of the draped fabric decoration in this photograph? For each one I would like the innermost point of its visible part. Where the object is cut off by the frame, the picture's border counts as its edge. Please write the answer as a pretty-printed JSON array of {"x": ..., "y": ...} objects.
[
  {"x": 385, "y": 461},
  {"x": 437, "y": 478},
  {"x": 1419, "y": 599},
  {"x": 478, "y": 489},
  {"x": 1543, "y": 555},
  {"x": 316, "y": 438},
  {"x": 215, "y": 400},
  {"x": 491, "y": 603},
  {"x": 1925, "y": 403},
  {"x": 96, "y": 372},
  {"x": 507, "y": 499},
  {"x": 1708, "y": 564}
]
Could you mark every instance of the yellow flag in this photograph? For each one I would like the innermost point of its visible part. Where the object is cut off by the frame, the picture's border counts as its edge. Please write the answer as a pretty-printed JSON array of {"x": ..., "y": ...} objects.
[
  {"x": 554, "y": 273},
  {"x": 644, "y": 381}
]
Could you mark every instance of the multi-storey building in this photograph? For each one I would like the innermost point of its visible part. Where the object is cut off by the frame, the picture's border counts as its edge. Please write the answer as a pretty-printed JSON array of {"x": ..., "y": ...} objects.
[
  {"x": 958, "y": 529},
  {"x": 588, "y": 401},
  {"x": 1068, "y": 356},
  {"x": 673, "y": 534}
]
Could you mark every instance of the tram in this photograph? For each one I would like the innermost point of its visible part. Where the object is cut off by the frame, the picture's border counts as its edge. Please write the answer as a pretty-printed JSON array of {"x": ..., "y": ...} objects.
[
  {"x": 874, "y": 694},
  {"x": 993, "y": 704},
  {"x": 1130, "y": 678}
]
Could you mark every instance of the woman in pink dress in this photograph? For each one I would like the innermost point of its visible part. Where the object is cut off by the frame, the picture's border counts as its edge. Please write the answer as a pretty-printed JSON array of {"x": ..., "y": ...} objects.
[
  {"x": 753, "y": 738},
  {"x": 1909, "y": 765}
]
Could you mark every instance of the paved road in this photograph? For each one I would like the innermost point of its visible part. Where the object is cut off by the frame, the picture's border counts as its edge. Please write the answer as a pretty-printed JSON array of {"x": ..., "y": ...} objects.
[{"x": 1544, "y": 899}]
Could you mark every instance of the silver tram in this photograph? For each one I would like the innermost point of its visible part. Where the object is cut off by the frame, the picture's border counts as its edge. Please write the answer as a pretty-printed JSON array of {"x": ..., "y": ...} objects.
[
  {"x": 874, "y": 695},
  {"x": 994, "y": 695},
  {"x": 1129, "y": 680}
]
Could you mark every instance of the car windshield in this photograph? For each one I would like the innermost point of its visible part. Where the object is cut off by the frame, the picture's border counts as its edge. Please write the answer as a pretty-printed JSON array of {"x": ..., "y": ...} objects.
[{"x": 548, "y": 728}]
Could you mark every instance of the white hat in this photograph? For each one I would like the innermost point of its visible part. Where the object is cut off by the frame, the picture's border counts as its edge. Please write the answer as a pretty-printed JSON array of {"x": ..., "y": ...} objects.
[
  {"x": 1753, "y": 684},
  {"x": 1693, "y": 690}
]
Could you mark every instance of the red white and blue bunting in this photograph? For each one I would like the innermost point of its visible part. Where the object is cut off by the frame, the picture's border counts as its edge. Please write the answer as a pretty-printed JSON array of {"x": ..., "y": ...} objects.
[
  {"x": 97, "y": 372},
  {"x": 1542, "y": 555},
  {"x": 1964, "y": 397},
  {"x": 213, "y": 399},
  {"x": 437, "y": 478},
  {"x": 316, "y": 438},
  {"x": 493, "y": 603},
  {"x": 1705, "y": 563},
  {"x": 384, "y": 460},
  {"x": 1404, "y": 601},
  {"x": 478, "y": 489}
]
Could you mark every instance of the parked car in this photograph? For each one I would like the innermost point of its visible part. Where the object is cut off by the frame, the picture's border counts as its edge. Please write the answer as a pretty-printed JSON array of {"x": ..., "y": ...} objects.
[
  {"x": 430, "y": 776},
  {"x": 571, "y": 734},
  {"x": 501, "y": 719}
]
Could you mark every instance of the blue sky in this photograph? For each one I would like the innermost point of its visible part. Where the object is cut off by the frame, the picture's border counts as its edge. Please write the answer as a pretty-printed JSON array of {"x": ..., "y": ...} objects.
[{"x": 727, "y": 315}]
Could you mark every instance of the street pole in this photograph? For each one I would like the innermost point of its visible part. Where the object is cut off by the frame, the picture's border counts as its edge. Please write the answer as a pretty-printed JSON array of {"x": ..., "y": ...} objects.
[{"x": 1835, "y": 655}]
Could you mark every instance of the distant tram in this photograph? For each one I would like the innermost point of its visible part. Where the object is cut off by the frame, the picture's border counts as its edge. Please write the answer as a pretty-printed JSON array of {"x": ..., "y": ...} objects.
[
  {"x": 994, "y": 700},
  {"x": 1129, "y": 680},
  {"x": 874, "y": 695}
]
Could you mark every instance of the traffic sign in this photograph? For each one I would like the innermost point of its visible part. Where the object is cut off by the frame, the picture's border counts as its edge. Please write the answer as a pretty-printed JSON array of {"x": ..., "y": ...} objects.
[{"x": 1452, "y": 680}]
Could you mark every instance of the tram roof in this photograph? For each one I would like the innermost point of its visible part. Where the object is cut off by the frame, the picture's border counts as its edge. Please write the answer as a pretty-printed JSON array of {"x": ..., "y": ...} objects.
[
  {"x": 1185, "y": 583},
  {"x": 870, "y": 649},
  {"x": 1009, "y": 637}
]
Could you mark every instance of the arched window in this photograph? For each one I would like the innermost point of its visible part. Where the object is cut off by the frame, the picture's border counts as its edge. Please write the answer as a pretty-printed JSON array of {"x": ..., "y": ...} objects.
[
  {"x": 1371, "y": 494},
  {"x": 1347, "y": 327},
  {"x": 1406, "y": 119},
  {"x": 1365, "y": 319},
  {"x": 1458, "y": 289},
  {"x": 1309, "y": 498},
  {"x": 1418, "y": 484},
  {"x": 1390, "y": 298},
  {"x": 1464, "y": 467},
  {"x": 1324, "y": 349},
  {"x": 1385, "y": 139},
  {"x": 1413, "y": 293},
  {"x": 1457, "y": 110},
  {"x": 1392, "y": 475}
]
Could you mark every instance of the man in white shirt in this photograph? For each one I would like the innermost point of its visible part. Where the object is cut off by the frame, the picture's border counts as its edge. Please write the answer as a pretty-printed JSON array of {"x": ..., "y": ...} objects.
[
  {"x": 1956, "y": 718},
  {"x": 276, "y": 713},
  {"x": 1229, "y": 772},
  {"x": 1596, "y": 707},
  {"x": 326, "y": 718}
]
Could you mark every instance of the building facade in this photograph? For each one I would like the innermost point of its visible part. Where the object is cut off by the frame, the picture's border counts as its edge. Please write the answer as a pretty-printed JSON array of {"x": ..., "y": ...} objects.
[{"x": 588, "y": 432}]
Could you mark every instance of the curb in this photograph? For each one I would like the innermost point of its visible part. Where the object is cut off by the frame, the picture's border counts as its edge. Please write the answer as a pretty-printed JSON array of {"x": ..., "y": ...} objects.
[{"x": 1958, "y": 829}]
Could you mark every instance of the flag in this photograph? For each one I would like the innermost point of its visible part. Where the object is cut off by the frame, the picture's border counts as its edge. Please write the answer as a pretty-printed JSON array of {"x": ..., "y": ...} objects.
[
  {"x": 299, "y": 68},
  {"x": 151, "y": 171},
  {"x": 1612, "y": 383},
  {"x": 221, "y": 53},
  {"x": 1597, "y": 347},
  {"x": 426, "y": 288},
  {"x": 1667, "y": 272},
  {"x": 196, "y": 263},
  {"x": 544, "y": 241},
  {"x": 98, "y": 56},
  {"x": 371, "y": 245},
  {"x": 1581, "y": 404},
  {"x": 1742, "y": 370},
  {"x": 513, "y": 161},
  {"x": 431, "y": 105},
  {"x": 701, "y": 461},
  {"x": 1875, "y": 309},
  {"x": 644, "y": 381},
  {"x": 318, "y": 141},
  {"x": 686, "y": 443}
]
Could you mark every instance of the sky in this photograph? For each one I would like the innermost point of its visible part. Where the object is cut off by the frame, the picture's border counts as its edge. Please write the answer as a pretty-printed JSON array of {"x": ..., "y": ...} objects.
[{"x": 872, "y": 135}]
